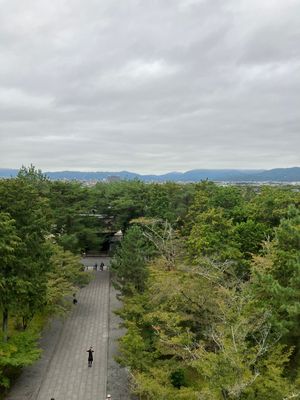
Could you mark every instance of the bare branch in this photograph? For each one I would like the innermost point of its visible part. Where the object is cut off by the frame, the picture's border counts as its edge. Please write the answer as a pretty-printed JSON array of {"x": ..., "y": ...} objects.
[
  {"x": 238, "y": 388},
  {"x": 292, "y": 396},
  {"x": 233, "y": 339}
]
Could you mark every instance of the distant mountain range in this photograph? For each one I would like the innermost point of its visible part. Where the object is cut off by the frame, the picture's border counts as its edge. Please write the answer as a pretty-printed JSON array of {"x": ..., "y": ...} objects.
[{"x": 196, "y": 175}]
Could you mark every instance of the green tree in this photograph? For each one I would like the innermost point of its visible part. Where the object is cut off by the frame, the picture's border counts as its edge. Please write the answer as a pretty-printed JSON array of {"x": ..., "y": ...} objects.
[
  {"x": 70, "y": 204},
  {"x": 163, "y": 238},
  {"x": 36, "y": 178},
  {"x": 159, "y": 203},
  {"x": 21, "y": 350},
  {"x": 250, "y": 236},
  {"x": 32, "y": 216},
  {"x": 9, "y": 243},
  {"x": 212, "y": 236},
  {"x": 64, "y": 276},
  {"x": 210, "y": 196},
  {"x": 271, "y": 205},
  {"x": 129, "y": 264},
  {"x": 126, "y": 200},
  {"x": 203, "y": 322},
  {"x": 276, "y": 279}
]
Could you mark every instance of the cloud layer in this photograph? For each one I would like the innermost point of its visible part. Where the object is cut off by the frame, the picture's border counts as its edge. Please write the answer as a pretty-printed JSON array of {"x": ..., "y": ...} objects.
[{"x": 150, "y": 86}]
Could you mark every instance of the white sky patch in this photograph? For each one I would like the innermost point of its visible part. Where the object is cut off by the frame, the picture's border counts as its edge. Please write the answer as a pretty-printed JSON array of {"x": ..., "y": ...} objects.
[
  {"x": 267, "y": 71},
  {"x": 139, "y": 69},
  {"x": 134, "y": 74},
  {"x": 55, "y": 139},
  {"x": 183, "y": 4},
  {"x": 13, "y": 97}
]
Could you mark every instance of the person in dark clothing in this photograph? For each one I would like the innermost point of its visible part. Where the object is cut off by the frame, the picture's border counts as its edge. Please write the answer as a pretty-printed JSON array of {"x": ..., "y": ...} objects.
[
  {"x": 95, "y": 267},
  {"x": 101, "y": 266},
  {"x": 74, "y": 299},
  {"x": 90, "y": 358}
]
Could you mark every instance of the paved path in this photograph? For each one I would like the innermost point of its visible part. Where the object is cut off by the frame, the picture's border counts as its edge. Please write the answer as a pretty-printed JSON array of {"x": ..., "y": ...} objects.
[{"x": 66, "y": 375}]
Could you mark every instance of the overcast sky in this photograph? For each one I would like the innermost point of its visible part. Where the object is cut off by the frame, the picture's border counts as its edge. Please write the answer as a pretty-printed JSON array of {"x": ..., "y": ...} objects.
[{"x": 149, "y": 86}]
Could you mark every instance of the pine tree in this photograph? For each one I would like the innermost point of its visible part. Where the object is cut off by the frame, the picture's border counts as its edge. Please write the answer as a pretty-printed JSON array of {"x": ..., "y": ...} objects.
[{"x": 129, "y": 263}]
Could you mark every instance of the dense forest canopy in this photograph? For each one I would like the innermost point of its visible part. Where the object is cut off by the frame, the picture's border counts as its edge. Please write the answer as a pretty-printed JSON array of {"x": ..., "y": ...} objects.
[
  {"x": 212, "y": 295},
  {"x": 209, "y": 277}
]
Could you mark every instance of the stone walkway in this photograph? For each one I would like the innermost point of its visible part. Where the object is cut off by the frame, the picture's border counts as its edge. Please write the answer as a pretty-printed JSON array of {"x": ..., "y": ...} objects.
[
  {"x": 68, "y": 376},
  {"x": 62, "y": 372}
]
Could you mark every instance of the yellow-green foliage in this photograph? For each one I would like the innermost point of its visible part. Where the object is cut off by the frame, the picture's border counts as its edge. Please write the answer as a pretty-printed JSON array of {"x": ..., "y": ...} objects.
[
  {"x": 203, "y": 320},
  {"x": 19, "y": 351},
  {"x": 65, "y": 274}
]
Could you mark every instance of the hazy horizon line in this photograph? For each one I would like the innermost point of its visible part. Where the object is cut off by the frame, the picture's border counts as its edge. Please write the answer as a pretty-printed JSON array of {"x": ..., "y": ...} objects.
[{"x": 148, "y": 173}]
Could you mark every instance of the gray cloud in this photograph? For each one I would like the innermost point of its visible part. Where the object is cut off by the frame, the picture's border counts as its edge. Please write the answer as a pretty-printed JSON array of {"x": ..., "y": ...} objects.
[{"x": 150, "y": 86}]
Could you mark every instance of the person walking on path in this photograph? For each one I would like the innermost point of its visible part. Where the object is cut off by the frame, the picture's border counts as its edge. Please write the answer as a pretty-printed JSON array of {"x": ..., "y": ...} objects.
[
  {"x": 90, "y": 358},
  {"x": 74, "y": 299}
]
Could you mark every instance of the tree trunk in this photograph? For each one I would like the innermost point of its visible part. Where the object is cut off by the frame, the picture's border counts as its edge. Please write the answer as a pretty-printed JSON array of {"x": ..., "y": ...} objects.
[
  {"x": 5, "y": 323},
  {"x": 24, "y": 323},
  {"x": 224, "y": 394}
]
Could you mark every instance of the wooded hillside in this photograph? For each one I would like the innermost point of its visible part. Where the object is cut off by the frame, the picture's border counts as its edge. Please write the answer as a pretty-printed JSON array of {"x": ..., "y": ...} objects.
[{"x": 209, "y": 277}]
